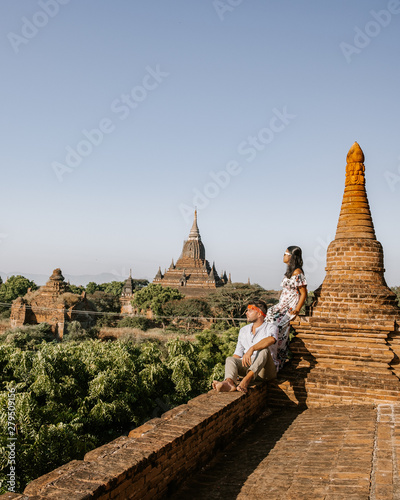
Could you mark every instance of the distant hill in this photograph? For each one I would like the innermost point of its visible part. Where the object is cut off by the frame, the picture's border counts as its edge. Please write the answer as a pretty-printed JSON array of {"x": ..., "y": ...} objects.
[{"x": 84, "y": 279}]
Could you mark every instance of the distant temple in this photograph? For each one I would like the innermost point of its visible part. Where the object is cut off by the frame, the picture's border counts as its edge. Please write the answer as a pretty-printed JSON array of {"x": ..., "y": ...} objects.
[
  {"x": 54, "y": 304},
  {"x": 127, "y": 293},
  {"x": 192, "y": 272}
]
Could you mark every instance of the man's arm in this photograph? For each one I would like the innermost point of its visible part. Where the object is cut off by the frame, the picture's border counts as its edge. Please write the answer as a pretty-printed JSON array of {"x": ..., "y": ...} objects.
[
  {"x": 263, "y": 344},
  {"x": 239, "y": 347}
]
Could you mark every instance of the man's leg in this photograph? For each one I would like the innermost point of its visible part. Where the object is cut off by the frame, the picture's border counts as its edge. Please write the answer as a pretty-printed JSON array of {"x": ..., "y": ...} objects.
[
  {"x": 233, "y": 366},
  {"x": 255, "y": 368},
  {"x": 269, "y": 370}
]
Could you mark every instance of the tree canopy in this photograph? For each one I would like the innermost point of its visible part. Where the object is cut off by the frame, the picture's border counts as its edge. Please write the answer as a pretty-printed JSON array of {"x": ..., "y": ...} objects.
[
  {"x": 231, "y": 300},
  {"x": 15, "y": 286},
  {"x": 154, "y": 296},
  {"x": 189, "y": 310}
]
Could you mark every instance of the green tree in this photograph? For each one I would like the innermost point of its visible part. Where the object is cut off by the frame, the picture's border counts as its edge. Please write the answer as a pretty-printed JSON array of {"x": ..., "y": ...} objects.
[
  {"x": 77, "y": 289},
  {"x": 140, "y": 283},
  {"x": 231, "y": 300},
  {"x": 154, "y": 296},
  {"x": 114, "y": 287},
  {"x": 15, "y": 286},
  {"x": 187, "y": 311},
  {"x": 92, "y": 287},
  {"x": 108, "y": 304}
]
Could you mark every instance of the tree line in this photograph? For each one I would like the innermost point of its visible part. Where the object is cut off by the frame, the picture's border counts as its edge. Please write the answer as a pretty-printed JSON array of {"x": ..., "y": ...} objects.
[{"x": 169, "y": 306}]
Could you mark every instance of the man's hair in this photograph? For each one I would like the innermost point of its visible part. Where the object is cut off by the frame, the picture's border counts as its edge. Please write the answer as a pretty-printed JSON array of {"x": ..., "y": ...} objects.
[{"x": 260, "y": 304}]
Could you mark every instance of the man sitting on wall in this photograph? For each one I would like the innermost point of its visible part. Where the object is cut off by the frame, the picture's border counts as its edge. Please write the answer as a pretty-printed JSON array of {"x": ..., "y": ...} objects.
[{"x": 252, "y": 357}]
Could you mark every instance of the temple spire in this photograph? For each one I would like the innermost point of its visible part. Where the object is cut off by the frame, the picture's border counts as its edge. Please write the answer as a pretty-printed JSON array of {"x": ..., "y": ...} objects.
[
  {"x": 355, "y": 219},
  {"x": 194, "y": 232}
]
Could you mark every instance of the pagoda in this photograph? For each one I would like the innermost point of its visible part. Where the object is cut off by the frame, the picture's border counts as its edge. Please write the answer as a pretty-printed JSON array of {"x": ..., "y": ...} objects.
[
  {"x": 347, "y": 349},
  {"x": 192, "y": 273},
  {"x": 128, "y": 291}
]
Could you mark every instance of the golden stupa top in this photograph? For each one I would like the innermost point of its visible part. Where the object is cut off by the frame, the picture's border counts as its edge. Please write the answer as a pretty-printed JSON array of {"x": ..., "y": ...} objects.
[
  {"x": 355, "y": 219},
  {"x": 355, "y": 170}
]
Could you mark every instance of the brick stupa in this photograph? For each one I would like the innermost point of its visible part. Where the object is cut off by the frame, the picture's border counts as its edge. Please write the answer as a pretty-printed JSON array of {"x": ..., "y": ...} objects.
[{"x": 347, "y": 349}]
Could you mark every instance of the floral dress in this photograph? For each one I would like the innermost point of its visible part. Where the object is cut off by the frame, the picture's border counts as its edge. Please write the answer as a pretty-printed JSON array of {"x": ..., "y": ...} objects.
[{"x": 280, "y": 315}]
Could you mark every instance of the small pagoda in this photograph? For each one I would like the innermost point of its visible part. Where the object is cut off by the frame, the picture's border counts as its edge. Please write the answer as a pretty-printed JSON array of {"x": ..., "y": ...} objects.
[
  {"x": 192, "y": 273},
  {"x": 347, "y": 348},
  {"x": 127, "y": 294}
]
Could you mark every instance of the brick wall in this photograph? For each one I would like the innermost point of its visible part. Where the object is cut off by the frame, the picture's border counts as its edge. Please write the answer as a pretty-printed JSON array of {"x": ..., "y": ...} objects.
[{"x": 155, "y": 457}]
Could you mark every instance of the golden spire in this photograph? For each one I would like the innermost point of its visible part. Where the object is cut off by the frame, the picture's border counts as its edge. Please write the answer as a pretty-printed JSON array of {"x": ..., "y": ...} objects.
[{"x": 355, "y": 219}]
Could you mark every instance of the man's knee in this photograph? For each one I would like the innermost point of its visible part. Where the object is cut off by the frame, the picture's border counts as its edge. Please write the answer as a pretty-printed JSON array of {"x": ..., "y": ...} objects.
[
  {"x": 264, "y": 366},
  {"x": 231, "y": 368},
  {"x": 230, "y": 361}
]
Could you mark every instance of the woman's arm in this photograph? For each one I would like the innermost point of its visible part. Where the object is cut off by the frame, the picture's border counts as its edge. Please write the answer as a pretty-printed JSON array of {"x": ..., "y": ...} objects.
[
  {"x": 303, "y": 294},
  {"x": 300, "y": 303}
]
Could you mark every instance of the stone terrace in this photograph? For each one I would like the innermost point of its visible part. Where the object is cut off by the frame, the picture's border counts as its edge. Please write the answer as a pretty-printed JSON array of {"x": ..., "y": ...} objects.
[{"x": 341, "y": 452}]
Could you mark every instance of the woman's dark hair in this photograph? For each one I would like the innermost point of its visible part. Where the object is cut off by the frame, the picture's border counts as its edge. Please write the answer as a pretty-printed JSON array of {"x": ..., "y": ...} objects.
[{"x": 295, "y": 262}]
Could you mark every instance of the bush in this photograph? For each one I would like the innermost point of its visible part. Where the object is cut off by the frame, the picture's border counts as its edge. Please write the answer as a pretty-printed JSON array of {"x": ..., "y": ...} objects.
[
  {"x": 74, "y": 332},
  {"x": 5, "y": 312},
  {"x": 135, "y": 322},
  {"x": 28, "y": 337}
]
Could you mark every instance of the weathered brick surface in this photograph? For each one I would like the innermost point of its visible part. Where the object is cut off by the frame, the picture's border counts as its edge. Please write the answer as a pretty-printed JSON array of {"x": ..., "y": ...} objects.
[{"x": 339, "y": 452}]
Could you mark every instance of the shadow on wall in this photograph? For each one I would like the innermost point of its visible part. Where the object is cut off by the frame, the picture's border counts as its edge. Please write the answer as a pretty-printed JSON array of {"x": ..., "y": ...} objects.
[{"x": 289, "y": 389}]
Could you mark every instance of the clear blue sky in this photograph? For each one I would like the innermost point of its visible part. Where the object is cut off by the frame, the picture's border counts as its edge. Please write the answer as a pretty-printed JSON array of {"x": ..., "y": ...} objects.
[{"x": 263, "y": 97}]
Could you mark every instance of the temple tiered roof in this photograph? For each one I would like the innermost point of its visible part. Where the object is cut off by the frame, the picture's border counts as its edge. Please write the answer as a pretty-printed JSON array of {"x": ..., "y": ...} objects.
[{"x": 192, "y": 272}]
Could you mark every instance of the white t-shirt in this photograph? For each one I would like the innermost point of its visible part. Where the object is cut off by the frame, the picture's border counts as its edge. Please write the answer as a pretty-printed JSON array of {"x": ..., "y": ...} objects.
[{"x": 247, "y": 339}]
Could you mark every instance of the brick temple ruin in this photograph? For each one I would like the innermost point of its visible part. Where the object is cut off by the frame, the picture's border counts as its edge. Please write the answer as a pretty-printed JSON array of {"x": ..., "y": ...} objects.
[
  {"x": 192, "y": 273},
  {"x": 54, "y": 304},
  {"x": 347, "y": 349}
]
